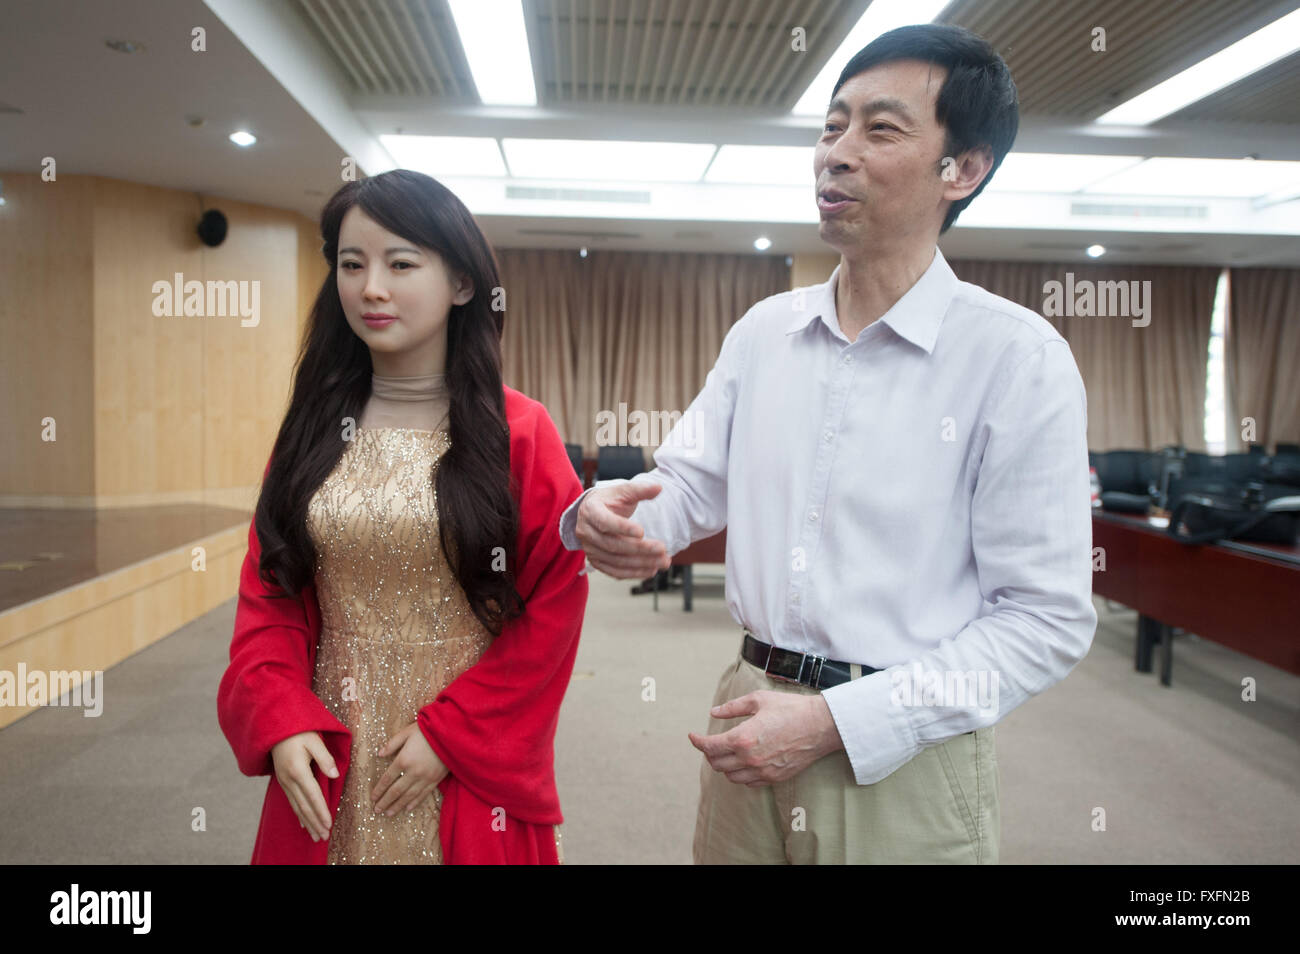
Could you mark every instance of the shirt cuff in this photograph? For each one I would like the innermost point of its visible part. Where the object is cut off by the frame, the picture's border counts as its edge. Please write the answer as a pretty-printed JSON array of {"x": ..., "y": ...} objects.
[
  {"x": 569, "y": 522},
  {"x": 569, "y": 519},
  {"x": 877, "y": 737}
]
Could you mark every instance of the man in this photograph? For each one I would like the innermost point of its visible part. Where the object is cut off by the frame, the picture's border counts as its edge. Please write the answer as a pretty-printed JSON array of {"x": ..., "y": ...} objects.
[{"x": 900, "y": 461}]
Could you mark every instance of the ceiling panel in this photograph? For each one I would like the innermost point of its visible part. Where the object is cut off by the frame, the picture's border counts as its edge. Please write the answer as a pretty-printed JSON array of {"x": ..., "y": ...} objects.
[
  {"x": 686, "y": 52},
  {"x": 1048, "y": 45},
  {"x": 738, "y": 54},
  {"x": 393, "y": 47}
]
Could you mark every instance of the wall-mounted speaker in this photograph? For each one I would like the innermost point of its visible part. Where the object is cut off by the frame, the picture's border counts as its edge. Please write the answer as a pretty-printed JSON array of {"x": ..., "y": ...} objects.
[{"x": 212, "y": 228}]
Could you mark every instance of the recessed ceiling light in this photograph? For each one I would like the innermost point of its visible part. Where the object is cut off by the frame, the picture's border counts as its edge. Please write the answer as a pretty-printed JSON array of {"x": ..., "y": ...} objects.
[
  {"x": 242, "y": 138},
  {"x": 1095, "y": 251},
  {"x": 762, "y": 243}
]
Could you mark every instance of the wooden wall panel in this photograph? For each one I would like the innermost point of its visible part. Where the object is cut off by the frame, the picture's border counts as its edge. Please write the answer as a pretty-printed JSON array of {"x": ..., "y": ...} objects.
[
  {"x": 149, "y": 409},
  {"x": 148, "y": 370},
  {"x": 47, "y": 360},
  {"x": 812, "y": 269}
]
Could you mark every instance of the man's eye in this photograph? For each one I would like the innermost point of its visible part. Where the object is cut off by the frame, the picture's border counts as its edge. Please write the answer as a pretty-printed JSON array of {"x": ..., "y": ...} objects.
[
  {"x": 828, "y": 127},
  {"x": 881, "y": 126},
  {"x": 407, "y": 264}
]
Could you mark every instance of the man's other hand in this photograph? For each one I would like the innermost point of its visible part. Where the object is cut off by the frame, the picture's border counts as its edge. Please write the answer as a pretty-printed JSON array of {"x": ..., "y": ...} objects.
[
  {"x": 784, "y": 735},
  {"x": 615, "y": 544}
]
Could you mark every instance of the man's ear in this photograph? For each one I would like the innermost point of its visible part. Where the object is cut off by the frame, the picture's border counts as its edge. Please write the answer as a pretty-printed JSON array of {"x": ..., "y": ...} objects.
[{"x": 962, "y": 175}]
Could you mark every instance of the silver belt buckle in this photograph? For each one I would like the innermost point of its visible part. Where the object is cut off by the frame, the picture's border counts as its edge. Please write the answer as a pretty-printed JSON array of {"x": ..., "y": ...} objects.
[{"x": 810, "y": 668}]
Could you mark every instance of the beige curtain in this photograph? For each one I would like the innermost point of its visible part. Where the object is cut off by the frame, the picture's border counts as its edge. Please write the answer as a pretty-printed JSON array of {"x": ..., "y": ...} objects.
[
  {"x": 1262, "y": 354},
  {"x": 584, "y": 334},
  {"x": 1145, "y": 385}
]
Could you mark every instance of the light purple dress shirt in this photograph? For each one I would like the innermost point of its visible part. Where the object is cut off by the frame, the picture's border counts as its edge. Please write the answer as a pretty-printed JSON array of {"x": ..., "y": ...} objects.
[{"x": 916, "y": 501}]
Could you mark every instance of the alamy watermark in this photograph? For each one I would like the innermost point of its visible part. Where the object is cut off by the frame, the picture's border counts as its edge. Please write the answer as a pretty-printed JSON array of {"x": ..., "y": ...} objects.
[
  {"x": 1089, "y": 299},
  {"x": 130, "y": 908},
  {"x": 213, "y": 299},
  {"x": 947, "y": 689},
  {"x": 58, "y": 687},
  {"x": 640, "y": 428}
]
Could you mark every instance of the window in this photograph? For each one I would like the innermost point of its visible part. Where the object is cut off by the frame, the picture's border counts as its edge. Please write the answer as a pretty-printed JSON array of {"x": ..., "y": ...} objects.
[{"x": 1215, "y": 374}]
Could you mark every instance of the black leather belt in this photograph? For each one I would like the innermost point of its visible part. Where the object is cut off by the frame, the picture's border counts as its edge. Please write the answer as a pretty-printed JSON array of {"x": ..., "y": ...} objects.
[{"x": 806, "y": 669}]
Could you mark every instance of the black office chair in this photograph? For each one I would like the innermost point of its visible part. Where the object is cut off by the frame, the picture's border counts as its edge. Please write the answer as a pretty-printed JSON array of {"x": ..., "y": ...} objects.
[
  {"x": 1281, "y": 449},
  {"x": 1246, "y": 466},
  {"x": 1284, "y": 468},
  {"x": 1199, "y": 464},
  {"x": 1130, "y": 479},
  {"x": 1168, "y": 467},
  {"x": 1226, "y": 467},
  {"x": 619, "y": 462},
  {"x": 575, "y": 457}
]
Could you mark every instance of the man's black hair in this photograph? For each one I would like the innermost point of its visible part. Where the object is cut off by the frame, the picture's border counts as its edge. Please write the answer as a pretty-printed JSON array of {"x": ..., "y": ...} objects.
[{"x": 977, "y": 105}]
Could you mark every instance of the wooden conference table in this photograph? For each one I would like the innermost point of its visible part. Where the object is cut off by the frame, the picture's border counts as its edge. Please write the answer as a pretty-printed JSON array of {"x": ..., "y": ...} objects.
[
  {"x": 1245, "y": 596},
  {"x": 709, "y": 550}
]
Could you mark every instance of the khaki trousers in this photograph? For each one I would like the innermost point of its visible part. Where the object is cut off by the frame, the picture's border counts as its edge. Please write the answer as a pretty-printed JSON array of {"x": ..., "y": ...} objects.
[{"x": 939, "y": 808}]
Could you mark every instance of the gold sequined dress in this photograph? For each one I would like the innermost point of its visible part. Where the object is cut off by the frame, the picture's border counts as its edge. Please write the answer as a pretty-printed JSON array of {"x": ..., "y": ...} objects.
[{"x": 396, "y": 627}]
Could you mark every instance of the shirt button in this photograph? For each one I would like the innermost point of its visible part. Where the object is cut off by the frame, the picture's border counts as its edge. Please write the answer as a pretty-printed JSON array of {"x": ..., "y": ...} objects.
[
  {"x": 812, "y": 516},
  {"x": 794, "y": 598},
  {"x": 848, "y": 359},
  {"x": 827, "y": 435}
]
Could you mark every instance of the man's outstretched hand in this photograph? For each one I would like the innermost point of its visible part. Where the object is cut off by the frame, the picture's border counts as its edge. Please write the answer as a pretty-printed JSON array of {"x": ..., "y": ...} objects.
[{"x": 613, "y": 543}]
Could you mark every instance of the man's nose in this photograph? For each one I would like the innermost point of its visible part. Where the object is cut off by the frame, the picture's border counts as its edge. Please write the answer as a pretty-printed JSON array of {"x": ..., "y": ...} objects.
[{"x": 842, "y": 156}]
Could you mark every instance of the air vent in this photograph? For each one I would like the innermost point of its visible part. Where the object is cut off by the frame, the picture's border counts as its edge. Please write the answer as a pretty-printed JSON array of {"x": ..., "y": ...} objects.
[
  {"x": 1140, "y": 211},
  {"x": 576, "y": 195}
]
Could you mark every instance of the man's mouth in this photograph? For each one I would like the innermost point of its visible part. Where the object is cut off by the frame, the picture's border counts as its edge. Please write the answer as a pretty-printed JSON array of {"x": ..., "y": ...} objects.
[{"x": 830, "y": 201}]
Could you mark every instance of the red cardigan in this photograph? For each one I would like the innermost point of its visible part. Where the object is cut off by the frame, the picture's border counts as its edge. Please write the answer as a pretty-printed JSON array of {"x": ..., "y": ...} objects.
[{"x": 493, "y": 726}]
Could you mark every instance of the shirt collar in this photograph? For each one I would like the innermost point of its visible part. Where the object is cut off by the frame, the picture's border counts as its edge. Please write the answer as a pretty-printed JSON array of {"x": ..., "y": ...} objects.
[{"x": 916, "y": 316}]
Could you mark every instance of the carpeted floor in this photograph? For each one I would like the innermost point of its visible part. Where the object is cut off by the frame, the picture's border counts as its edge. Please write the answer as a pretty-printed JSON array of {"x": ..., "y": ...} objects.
[{"x": 1188, "y": 774}]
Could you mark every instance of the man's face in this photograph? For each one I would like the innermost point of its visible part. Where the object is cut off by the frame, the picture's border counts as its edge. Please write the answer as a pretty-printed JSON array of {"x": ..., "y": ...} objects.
[{"x": 879, "y": 157}]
